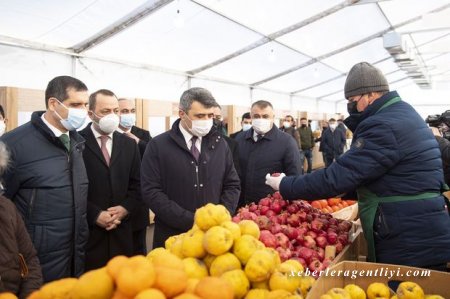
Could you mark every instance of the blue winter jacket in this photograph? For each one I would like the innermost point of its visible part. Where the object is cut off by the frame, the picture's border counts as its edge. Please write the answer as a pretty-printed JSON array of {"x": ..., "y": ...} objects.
[{"x": 393, "y": 152}]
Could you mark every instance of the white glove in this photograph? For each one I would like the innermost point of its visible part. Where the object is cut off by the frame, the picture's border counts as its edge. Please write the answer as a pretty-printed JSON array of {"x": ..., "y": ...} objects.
[{"x": 274, "y": 181}]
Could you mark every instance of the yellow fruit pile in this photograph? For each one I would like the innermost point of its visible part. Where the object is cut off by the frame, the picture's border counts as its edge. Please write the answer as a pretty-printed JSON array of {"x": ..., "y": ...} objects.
[
  {"x": 216, "y": 259},
  {"x": 218, "y": 247},
  {"x": 377, "y": 290}
]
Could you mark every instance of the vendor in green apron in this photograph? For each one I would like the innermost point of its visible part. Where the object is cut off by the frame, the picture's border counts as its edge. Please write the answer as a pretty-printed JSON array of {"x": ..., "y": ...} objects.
[{"x": 395, "y": 166}]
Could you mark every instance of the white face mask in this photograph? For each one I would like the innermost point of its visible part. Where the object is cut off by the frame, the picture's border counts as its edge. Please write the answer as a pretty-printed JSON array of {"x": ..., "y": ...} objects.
[
  {"x": 286, "y": 125},
  {"x": 246, "y": 127},
  {"x": 261, "y": 125},
  {"x": 2, "y": 127},
  {"x": 200, "y": 127},
  {"x": 75, "y": 118},
  {"x": 333, "y": 126},
  {"x": 128, "y": 120},
  {"x": 108, "y": 123}
]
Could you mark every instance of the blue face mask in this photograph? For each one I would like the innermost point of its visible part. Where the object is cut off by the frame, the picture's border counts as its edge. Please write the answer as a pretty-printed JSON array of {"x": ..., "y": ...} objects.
[
  {"x": 128, "y": 120},
  {"x": 75, "y": 119}
]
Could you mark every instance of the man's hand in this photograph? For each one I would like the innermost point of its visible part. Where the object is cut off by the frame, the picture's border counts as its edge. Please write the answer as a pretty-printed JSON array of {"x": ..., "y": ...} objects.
[
  {"x": 118, "y": 212},
  {"x": 274, "y": 181},
  {"x": 132, "y": 136}
]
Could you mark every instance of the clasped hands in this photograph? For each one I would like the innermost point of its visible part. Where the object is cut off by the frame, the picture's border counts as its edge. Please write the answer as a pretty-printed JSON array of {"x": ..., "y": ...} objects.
[{"x": 112, "y": 217}]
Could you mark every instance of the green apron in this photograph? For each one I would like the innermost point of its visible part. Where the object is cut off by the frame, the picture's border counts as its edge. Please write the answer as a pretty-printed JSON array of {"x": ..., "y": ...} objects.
[{"x": 368, "y": 203}]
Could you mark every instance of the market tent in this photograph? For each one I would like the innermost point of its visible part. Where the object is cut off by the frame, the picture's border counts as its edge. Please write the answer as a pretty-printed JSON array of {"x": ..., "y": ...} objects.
[{"x": 293, "y": 52}]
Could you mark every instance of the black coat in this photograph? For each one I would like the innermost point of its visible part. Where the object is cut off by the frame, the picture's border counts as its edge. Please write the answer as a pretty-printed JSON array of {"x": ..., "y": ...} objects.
[
  {"x": 118, "y": 184},
  {"x": 174, "y": 185},
  {"x": 234, "y": 148},
  {"x": 275, "y": 152},
  {"x": 49, "y": 187},
  {"x": 333, "y": 142},
  {"x": 234, "y": 135},
  {"x": 144, "y": 137},
  {"x": 444, "y": 146}
]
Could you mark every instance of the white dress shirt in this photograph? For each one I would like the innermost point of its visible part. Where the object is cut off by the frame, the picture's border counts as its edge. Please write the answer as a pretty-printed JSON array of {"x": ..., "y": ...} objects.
[
  {"x": 255, "y": 136},
  {"x": 188, "y": 136},
  {"x": 97, "y": 136},
  {"x": 54, "y": 129}
]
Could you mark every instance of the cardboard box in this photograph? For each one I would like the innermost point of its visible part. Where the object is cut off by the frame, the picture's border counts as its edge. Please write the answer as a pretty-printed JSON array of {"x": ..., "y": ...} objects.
[{"x": 432, "y": 282}]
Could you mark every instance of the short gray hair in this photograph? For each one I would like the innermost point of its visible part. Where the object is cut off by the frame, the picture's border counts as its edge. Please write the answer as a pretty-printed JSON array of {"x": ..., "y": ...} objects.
[
  {"x": 4, "y": 158},
  {"x": 201, "y": 95}
]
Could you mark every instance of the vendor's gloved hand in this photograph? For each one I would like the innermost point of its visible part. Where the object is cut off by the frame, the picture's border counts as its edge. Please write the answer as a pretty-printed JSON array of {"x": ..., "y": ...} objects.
[{"x": 274, "y": 181}]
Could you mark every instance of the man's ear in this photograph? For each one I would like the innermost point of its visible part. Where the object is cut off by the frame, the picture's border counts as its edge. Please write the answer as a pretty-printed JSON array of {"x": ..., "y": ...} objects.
[
  {"x": 51, "y": 103},
  {"x": 181, "y": 113}
]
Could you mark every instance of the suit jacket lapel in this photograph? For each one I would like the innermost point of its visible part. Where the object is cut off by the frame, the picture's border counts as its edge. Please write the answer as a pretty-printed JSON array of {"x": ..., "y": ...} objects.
[
  {"x": 116, "y": 147},
  {"x": 92, "y": 144}
]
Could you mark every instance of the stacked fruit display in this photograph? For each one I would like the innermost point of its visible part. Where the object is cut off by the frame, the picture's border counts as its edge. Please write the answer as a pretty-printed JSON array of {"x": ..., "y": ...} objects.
[
  {"x": 377, "y": 290},
  {"x": 331, "y": 205},
  {"x": 218, "y": 247},
  {"x": 297, "y": 230},
  {"x": 217, "y": 259}
]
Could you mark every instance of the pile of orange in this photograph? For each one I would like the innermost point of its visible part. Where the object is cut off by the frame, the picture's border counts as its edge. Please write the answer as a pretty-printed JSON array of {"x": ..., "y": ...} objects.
[{"x": 331, "y": 205}]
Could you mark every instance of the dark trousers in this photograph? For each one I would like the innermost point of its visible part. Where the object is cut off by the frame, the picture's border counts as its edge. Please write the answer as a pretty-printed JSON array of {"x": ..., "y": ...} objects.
[
  {"x": 329, "y": 158},
  {"x": 308, "y": 156},
  {"x": 140, "y": 241}
]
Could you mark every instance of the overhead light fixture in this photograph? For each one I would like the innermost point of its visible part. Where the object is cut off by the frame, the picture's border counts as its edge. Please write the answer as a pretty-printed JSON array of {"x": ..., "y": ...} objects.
[
  {"x": 406, "y": 59},
  {"x": 272, "y": 56},
  {"x": 178, "y": 21}
]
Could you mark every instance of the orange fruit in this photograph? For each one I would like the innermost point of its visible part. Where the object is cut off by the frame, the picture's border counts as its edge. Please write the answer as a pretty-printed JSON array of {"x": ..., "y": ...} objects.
[
  {"x": 95, "y": 284},
  {"x": 335, "y": 208},
  {"x": 137, "y": 275},
  {"x": 115, "y": 264},
  {"x": 316, "y": 204},
  {"x": 323, "y": 203},
  {"x": 119, "y": 295},
  {"x": 150, "y": 294},
  {"x": 61, "y": 288},
  {"x": 170, "y": 281},
  {"x": 187, "y": 296},
  {"x": 7, "y": 295},
  {"x": 214, "y": 287},
  {"x": 344, "y": 204}
]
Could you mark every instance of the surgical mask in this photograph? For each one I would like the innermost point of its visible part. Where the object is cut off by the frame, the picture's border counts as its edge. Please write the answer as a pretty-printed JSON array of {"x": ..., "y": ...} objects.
[
  {"x": 261, "y": 125},
  {"x": 286, "y": 125},
  {"x": 2, "y": 127},
  {"x": 246, "y": 127},
  {"x": 200, "y": 127},
  {"x": 108, "y": 123},
  {"x": 128, "y": 120},
  {"x": 75, "y": 118},
  {"x": 333, "y": 126}
]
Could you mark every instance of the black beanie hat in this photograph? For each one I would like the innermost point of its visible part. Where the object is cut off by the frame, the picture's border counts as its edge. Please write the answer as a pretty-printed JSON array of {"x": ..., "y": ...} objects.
[{"x": 364, "y": 78}]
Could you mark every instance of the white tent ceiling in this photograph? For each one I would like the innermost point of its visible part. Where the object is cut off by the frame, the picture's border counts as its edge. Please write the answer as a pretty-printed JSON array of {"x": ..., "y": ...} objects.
[{"x": 301, "y": 48}]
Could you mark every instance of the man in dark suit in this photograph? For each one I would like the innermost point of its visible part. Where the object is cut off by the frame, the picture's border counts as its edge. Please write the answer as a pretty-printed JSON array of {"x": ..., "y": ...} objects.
[
  {"x": 141, "y": 219},
  {"x": 246, "y": 124},
  {"x": 127, "y": 113},
  {"x": 187, "y": 167},
  {"x": 113, "y": 165}
]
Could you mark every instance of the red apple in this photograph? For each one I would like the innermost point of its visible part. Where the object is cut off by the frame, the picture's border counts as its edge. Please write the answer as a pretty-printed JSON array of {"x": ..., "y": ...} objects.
[
  {"x": 291, "y": 232},
  {"x": 309, "y": 242},
  {"x": 236, "y": 219},
  {"x": 270, "y": 213},
  {"x": 305, "y": 253},
  {"x": 317, "y": 225},
  {"x": 293, "y": 220},
  {"x": 332, "y": 238},
  {"x": 264, "y": 209},
  {"x": 311, "y": 233},
  {"x": 321, "y": 253},
  {"x": 282, "y": 240},
  {"x": 292, "y": 208},
  {"x": 252, "y": 207},
  {"x": 275, "y": 207},
  {"x": 268, "y": 239},
  {"x": 263, "y": 222},
  {"x": 321, "y": 242},
  {"x": 284, "y": 253},
  {"x": 276, "y": 228},
  {"x": 265, "y": 202},
  {"x": 315, "y": 265},
  {"x": 343, "y": 238},
  {"x": 277, "y": 195},
  {"x": 339, "y": 247}
]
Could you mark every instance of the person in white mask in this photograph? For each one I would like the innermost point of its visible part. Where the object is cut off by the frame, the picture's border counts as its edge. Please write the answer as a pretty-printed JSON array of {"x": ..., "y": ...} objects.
[
  {"x": 3, "y": 121},
  {"x": 332, "y": 142},
  {"x": 127, "y": 125},
  {"x": 113, "y": 167},
  {"x": 187, "y": 167},
  {"x": 47, "y": 179},
  {"x": 264, "y": 149}
]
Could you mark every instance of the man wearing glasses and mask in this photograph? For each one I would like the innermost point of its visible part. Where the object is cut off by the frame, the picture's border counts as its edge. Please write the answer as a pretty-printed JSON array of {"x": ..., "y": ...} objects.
[{"x": 395, "y": 166}]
